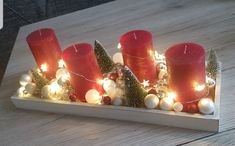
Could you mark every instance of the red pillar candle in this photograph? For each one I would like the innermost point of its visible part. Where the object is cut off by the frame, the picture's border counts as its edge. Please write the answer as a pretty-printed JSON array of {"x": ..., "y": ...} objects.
[
  {"x": 46, "y": 50},
  {"x": 138, "y": 54},
  {"x": 186, "y": 69},
  {"x": 85, "y": 73}
]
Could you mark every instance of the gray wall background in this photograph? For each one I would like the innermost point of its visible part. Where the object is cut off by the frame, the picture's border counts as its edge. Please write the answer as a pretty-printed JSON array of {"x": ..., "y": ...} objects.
[{"x": 21, "y": 12}]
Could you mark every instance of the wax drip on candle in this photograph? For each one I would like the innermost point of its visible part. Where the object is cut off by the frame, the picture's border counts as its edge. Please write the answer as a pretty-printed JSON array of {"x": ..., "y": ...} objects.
[
  {"x": 135, "y": 36},
  {"x": 185, "y": 49},
  {"x": 75, "y": 48}
]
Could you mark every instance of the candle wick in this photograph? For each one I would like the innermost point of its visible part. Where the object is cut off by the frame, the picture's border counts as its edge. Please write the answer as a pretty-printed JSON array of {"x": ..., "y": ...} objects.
[
  {"x": 185, "y": 49},
  {"x": 75, "y": 48},
  {"x": 135, "y": 36},
  {"x": 40, "y": 33}
]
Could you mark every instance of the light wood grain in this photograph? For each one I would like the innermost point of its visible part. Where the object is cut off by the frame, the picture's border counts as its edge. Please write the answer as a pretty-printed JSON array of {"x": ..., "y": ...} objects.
[
  {"x": 210, "y": 23},
  {"x": 221, "y": 139}
]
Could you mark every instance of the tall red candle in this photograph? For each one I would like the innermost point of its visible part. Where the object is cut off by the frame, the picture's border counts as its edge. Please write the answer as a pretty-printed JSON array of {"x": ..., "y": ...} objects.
[
  {"x": 186, "y": 69},
  {"x": 45, "y": 49},
  {"x": 138, "y": 54},
  {"x": 85, "y": 73}
]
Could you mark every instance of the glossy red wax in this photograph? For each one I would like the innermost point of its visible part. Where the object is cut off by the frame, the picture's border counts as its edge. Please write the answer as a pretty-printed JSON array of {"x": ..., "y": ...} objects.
[
  {"x": 186, "y": 69},
  {"x": 81, "y": 62},
  {"x": 138, "y": 54},
  {"x": 45, "y": 49}
]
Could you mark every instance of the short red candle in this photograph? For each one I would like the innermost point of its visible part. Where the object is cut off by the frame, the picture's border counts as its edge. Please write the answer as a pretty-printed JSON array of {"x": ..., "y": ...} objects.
[
  {"x": 85, "y": 73},
  {"x": 138, "y": 54},
  {"x": 186, "y": 69},
  {"x": 45, "y": 49}
]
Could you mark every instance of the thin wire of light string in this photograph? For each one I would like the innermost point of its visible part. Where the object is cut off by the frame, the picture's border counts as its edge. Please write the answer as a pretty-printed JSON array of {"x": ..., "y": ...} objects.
[{"x": 89, "y": 80}]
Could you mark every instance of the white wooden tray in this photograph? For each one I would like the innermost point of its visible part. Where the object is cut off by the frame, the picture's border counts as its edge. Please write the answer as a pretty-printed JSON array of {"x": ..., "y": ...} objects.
[{"x": 168, "y": 118}]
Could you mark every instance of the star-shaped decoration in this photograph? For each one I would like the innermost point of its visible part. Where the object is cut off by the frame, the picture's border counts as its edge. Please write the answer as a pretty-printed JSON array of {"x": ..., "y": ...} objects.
[
  {"x": 145, "y": 83},
  {"x": 61, "y": 63}
]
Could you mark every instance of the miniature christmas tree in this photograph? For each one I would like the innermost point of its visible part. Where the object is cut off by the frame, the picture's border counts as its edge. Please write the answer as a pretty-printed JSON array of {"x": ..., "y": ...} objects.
[
  {"x": 39, "y": 79},
  {"x": 105, "y": 62},
  {"x": 135, "y": 94},
  {"x": 212, "y": 64}
]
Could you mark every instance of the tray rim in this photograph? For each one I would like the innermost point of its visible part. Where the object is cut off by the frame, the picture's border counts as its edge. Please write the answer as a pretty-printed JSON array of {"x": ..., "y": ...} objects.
[{"x": 25, "y": 103}]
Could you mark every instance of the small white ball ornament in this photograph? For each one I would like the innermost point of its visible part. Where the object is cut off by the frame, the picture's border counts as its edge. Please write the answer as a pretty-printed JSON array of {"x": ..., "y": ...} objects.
[
  {"x": 93, "y": 96},
  {"x": 108, "y": 84},
  {"x": 120, "y": 92},
  {"x": 206, "y": 106},
  {"x": 30, "y": 73},
  {"x": 117, "y": 101},
  {"x": 178, "y": 107},
  {"x": 45, "y": 92},
  {"x": 30, "y": 88},
  {"x": 120, "y": 83},
  {"x": 54, "y": 89},
  {"x": 20, "y": 92},
  {"x": 162, "y": 74},
  {"x": 62, "y": 72},
  {"x": 61, "y": 81},
  {"x": 162, "y": 66},
  {"x": 166, "y": 104},
  {"x": 112, "y": 92},
  {"x": 117, "y": 58},
  {"x": 25, "y": 79},
  {"x": 53, "y": 81},
  {"x": 161, "y": 91},
  {"x": 151, "y": 101},
  {"x": 210, "y": 82}
]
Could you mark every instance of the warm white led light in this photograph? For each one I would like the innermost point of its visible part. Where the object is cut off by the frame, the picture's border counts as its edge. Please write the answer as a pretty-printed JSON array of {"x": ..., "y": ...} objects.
[{"x": 44, "y": 67}]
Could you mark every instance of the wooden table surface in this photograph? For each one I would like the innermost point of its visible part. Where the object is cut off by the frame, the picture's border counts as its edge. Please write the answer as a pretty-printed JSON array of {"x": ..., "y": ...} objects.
[{"x": 210, "y": 23}]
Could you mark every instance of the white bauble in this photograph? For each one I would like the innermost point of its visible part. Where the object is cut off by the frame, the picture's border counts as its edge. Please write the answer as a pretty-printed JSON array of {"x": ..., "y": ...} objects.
[
  {"x": 20, "y": 92},
  {"x": 45, "y": 92},
  {"x": 93, "y": 96},
  {"x": 112, "y": 92},
  {"x": 25, "y": 79},
  {"x": 178, "y": 107},
  {"x": 108, "y": 84},
  {"x": 120, "y": 83},
  {"x": 30, "y": 73},
  {"x": 166, "y": 104},
  {"x": 117, "y": 58},
  {"x": 162, "y": 74},
  {"x": 206, "y": 106},
  {"x": 151, "y": 101},
  {"x": 162, "y": 66},
  {"x": 62, "y": 72},
  {"x": 53, "y": 81},
  {"x": 30, "y": 88},
  {"x": 161, "y": 91},
  {"x": 120, "y": 92},
  {"x": 210, "y": 82},
  {"x": 55, "y": 91},
  {"x": 61, "y": 81},
  {"x": 117, "y": 101},
  {"x": 54, "y": 88}
]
